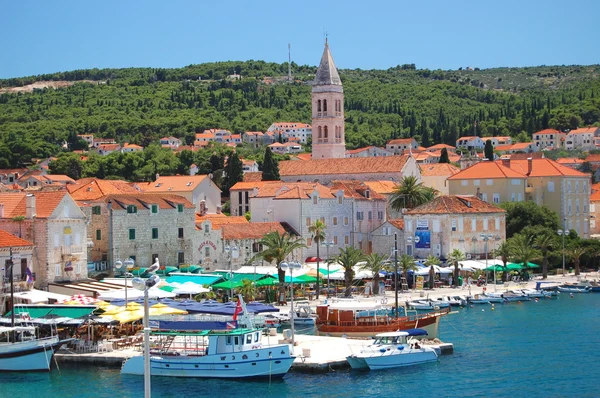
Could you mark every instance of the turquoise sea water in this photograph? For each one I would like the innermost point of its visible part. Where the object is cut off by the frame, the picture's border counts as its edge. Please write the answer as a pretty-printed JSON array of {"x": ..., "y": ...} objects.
[{"x": 546, "y": 349}]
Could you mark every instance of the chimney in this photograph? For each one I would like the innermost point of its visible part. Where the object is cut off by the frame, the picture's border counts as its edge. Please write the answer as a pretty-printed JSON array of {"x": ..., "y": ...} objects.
[
  {"x": 478, "y": 194},
  {"x": 218, "y": 209},
  {"x": 506, "y": 162},
  {"x": 30, "y": 206},
  {"x": 202, "y": 208},
  {"x": 157, "y": 176},
  {"x": 1, "y": 210},
  {"x": 529, "y": 165}
]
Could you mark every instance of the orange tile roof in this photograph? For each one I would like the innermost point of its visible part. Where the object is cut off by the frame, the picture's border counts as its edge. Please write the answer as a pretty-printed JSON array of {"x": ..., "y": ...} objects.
[
  {"x": 10, "y": 240},
  {"x": 58, "y": 178},
  {"x": 584, "y": 130},
  {"x": 132, "y": 146},
  {"x": 253, "y": 176},
  {"x": 595, "y": 196},
  {"x": 547, "y": 131},
  {"x": 109, "y": 147},
  {"x": 304, "y": 156},
  {"x": 506, "y": 147},
  {"x": 300, "y": 191},
  {"x": 544, "y": 168},
  {"x": 438, "y": 169},
  {"x": 401, "y": 141},
  {"x": 355, "y": 189},
  {"x": 593, "y": 157},
  {"x": 95, "y": 188},
  {"x": 521, "y": 145},
  {"x": 382, "y": 187},
  {"x": 398, "y": 223},
  {"x": 441, "y": 146},
  {"x": 255, "y": 230},
  {"x": 245, "y": 185},
  {"x": 45, "y": 203},
  {"x": 569, "y": 161},
  {"x": 12, "y": 171},
  {"x": 468, "y": 138},
  {"x": 453, "y": 204},
  {"x": 384, "y": 164},
  {"x": 164, "y": 201},
  {"x": 486, "y": 169},
  {"x": 175, "y": 183},
  {"x": 207, "y": 136},
  {"x": 219, "y": 220}
]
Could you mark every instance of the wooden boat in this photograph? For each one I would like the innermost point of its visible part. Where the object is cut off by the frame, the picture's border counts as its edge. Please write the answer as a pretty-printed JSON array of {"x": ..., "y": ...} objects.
[
  {"x": 355, "y": 319},
  {"x": 26, "y": 352}
]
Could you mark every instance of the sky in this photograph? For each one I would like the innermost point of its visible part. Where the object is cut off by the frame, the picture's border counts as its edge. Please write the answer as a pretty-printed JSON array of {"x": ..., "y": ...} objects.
[{"x": 51, "y": 36}]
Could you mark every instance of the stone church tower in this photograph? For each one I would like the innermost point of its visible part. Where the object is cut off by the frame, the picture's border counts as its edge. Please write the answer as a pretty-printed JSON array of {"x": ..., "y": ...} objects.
[{"x": 328, "y": 111}]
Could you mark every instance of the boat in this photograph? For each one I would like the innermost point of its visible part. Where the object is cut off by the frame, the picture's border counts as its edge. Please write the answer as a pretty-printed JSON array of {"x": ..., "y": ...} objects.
[
  {"x": 493, "y": 297},
  {"x": 230, "y": 354},
  {"x": 535, "y": 293},
  {"x": 357, "y": 319},
  {"x": 21, "y": 349},
  {"x": 592, "y": 286},
  {"x": 566, "y": 289},
  {"x": 392, "y": 350},
  {"x": 456, "y": 301},
  {"x": 303, "y": 315},
  {"x": 478, "y": 299},
  {"x": 428, "y": 304}
]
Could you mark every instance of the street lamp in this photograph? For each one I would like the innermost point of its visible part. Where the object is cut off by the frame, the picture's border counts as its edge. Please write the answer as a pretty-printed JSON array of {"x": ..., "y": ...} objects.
[
  {"x": 144, "y": 285},
  {"x": 396, "y": 272},
  {"x": 291, "y": 266},
  {"x": 232, "y": 252},
  {"x": 125, "y": 266},
  {"x": 563, "y": 232},
  {"x": 486, "y": 238},
  {"x": 327, "y": 244}
]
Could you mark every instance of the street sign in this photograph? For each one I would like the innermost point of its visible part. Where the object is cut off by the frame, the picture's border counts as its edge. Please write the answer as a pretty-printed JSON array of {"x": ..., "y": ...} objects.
[{"x": 417, "y": 239}]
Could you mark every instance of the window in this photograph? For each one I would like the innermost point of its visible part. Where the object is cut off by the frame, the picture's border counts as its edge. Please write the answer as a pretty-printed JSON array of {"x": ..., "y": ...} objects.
[
  {"x": 308, "y": 221},
  {"x": 180, "y": 257},
  {"x": 497, "y": 223},
  {"x": 96, "y": 210},
  {"x": 346, "y": 240},
  {"x": 98, "y": 234},
  {"x": 359, "y": 215},
  {"x": 335, "y": 240},
  {"x": 485, "y": 224},
  {"x": 515, "y": 181},
  {"x": 550, "y": 186},
  {"x": 154, "y": 233},
  {"x": 380, "y": 214},
  {"x": 409, "y": 225},
  {"x": 334, "y": 220},
  {"x": 340, "y": 199},
  {"x": 345, "y": 220},
  {"x": 453, "y": 225},
  {"x": 131, "y": 209},
  {"x": 464, "y": 183},
  {"x": 315, "y": 200},
  {"x": 496, "y": 198},
  {"x": 473, "y": 224},
  {"x": 57, "y": 270},
  {"x": 180, "y": 208},
  {"x": 322, "y": 220},
  {"x": 512, "y": 197},
  {"x": 476, "y": 182},
  {"x": 370, "y": 215},
  {"x": 489, "y": 182},
  {"x": 206, "y": 251},
  {"x": 206, "y": 228},
  {"x": 154, "y": 209},
  {"x": 240, "y": 197},
  {"x": 131, "y": 233},
  {"x": 484, "y": 197},
  {"x": 436, "y": 226},
  {"x": 569, "y": 186},
  {"x": 180, "y": 233}
]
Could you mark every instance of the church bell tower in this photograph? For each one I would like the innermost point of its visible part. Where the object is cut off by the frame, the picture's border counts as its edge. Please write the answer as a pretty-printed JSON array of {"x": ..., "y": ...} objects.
[{"x": 328, "y": 137}]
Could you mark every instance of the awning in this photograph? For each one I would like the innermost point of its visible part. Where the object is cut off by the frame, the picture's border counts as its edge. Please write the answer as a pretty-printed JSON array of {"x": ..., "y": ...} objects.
[
  {"x": 205, "y": 280},
  {"x": 313, "y": 259},
  {"x": 39, "y": 296},
  {"x": 67, "y": 311}
]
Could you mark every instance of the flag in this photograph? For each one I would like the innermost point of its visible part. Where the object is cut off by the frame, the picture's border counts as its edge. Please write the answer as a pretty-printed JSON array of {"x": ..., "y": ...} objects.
[
  {"x": 238, "y": 310},
  {"x": 29, "y": 275}
]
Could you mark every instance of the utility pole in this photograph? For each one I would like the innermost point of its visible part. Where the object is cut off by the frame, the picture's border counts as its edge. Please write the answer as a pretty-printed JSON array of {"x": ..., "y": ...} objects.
[{"x": 396, "y": 271}]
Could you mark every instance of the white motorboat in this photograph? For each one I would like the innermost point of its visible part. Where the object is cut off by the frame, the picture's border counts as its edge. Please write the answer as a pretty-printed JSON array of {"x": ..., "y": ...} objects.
[
  {"x": 478, "y": 299},
  {"x": 428, "y": 304},
  {"x": 492, "y": 297},
  {"x": 237, "y": 353},
  {"x": 534, "y": 293},
  {"x": 21, "y": 350},
  {"x": 392, "y": 350},
  {"x": 303, "y": 315},
  {"x": 565, "y": 289},
  {"x": 455, "y": 301}
]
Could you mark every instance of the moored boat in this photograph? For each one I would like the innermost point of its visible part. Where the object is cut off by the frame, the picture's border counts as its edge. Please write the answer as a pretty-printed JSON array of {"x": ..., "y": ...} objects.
[
  {"x": 237, "y": 353},
  {"x": 567, "y": 289},
  {"x": 21, "y": 350},
  {"x": 428, "y": 305},
  {"x": 478, "y": 299},
  {"x": 355, "y": 319},
  {"x": 392, "y": 350}
]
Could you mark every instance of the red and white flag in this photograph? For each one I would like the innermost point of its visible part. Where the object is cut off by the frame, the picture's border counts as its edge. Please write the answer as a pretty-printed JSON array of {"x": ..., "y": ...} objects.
[{"x": 238, "y": 310}]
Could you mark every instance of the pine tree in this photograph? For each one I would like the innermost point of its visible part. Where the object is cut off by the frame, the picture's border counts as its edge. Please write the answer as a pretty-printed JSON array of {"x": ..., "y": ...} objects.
[
  {"x": 444, "y": 156},
  {"x": 270, "y": 167},
  {"x": 234, "y": 172},
  {"x": 489, "y": 150}
]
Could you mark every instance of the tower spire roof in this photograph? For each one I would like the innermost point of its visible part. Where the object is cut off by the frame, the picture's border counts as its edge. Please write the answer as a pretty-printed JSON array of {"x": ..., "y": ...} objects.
[{"x": 327, "y": 73}]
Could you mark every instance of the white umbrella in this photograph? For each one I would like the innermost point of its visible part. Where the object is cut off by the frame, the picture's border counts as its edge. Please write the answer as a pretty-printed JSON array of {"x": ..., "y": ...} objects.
[
  {"x": 133, "y": 294},
  {"x": 188, "y": 288},
  {"x": 437, "y": 269}
]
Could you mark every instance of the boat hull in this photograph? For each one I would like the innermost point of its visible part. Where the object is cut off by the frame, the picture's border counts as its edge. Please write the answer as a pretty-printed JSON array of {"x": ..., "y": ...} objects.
[
  {"x": 28, "y": 356},
  {"x": 357, "y": 328},
  {"x": 274, "y": 361},
  {"x": 396, "y": 360}
]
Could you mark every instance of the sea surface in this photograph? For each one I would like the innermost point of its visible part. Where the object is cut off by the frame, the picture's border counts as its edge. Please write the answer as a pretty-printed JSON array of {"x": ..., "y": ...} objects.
[{"x": 549, "y": 348}]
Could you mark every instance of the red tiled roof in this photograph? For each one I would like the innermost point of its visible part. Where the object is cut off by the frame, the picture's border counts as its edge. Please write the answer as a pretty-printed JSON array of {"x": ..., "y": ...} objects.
[
  {"x": 383, "y": 187},
  {"x": 584, "y": 130},
  {"x": 547, "y": 131},
  {"x": 10, "y": 240},
  {"x": 453, "y": 204},
  {"x": 175, "y": 183},
  {"x": 441, "y": 146},
  {"x": 401, "y": 141},
  {"x": 438, "y": 169},
  {"x": 45, "y": 203},
  {"x": 593, "y": 157},
  {"x": 486, "y": 169},
  {"x": 164, "y": 201},
  {"x": 355, "y": 189},
  {"x": 595, "y": 196},
  {"x": 365, "y": 165},
  {"x": 255, "y": 230},
  {"x": 95, "y": 188},
  {"x": 398, "y": 223},
  {"x": 219, "y": 220},
  {"x": 544, "y": 168},
  {"x": 253, "y": 176}
]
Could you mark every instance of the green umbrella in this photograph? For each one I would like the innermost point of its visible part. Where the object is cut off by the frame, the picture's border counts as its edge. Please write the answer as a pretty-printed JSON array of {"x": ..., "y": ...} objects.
[
  {"x": 529, "y": 265},
  {"x": 267, "y": 282},
  {"x": 227, "y": 285},
  {"x": 501, "y": 268}
]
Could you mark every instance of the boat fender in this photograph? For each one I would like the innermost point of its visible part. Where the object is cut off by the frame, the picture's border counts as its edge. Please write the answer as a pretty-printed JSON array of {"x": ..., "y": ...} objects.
[
  {"x": 233, "y": 357},
  {"x": 382, "y": 350}
]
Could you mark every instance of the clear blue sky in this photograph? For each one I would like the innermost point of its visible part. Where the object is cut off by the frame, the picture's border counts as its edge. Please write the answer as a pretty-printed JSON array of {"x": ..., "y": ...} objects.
[{"x": 50, "y": 36}]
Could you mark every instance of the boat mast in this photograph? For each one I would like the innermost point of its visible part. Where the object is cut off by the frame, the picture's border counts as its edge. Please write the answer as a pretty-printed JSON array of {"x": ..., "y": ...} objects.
[
  {"x": 396, "y": 272},
  {"x": 12, "y": 291}
]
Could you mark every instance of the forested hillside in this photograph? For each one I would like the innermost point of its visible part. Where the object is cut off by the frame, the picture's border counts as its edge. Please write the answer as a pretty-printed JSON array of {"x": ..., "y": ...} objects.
[{"x": 140, "y": 105}]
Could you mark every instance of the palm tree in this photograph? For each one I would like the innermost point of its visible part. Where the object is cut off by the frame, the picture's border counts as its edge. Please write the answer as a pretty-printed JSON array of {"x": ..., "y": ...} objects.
[
  {"x": 453, "y": 259},
  {"x": 375, "y": 263},
  {"x": 504, "y": 252},
  {"x": 411, "y": 193},
  {"x": 348, "y": 258},
  {"x": 406, "y": 263},
  {"x": 522, "y": 249},
  {"x": 574, "y": 253},
  {"x": 247, "y": 290},
  {"x": 317, "y": 229},
  {"x": 277, "y": 247},
  {"x": 431, "y": 261},
  {"x": 544, "y": 242}
]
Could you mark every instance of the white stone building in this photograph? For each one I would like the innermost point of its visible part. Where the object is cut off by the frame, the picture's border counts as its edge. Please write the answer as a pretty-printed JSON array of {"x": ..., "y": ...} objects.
[{"x": 197, "y": 189}]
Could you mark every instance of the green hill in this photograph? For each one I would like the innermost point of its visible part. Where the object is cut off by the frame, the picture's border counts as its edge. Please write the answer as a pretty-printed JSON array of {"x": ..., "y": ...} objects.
[{"x": 140, "y": 105}]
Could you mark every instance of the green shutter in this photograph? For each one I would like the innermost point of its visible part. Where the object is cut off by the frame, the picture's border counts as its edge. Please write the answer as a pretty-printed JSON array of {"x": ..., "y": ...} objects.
[
  {"x": 180, "y": 208},
  {"x": 154, "y": 233},
  {"x": 132, "y": 234},
  {"x": 98, "y": 234},
  {"x": 154, "y": 209}
]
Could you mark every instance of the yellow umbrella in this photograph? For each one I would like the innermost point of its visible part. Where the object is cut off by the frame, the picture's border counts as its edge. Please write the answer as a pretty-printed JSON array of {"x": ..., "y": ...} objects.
[
  {"x": 162, "y": 309},
  {"x": 129, "y": 315},
  {"x": 112, "y": 310},
  {"x": 315, "y": 273}
]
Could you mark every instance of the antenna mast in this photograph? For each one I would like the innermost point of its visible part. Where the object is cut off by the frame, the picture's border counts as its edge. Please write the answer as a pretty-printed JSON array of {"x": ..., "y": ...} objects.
[{"x": 289, "y": 62}]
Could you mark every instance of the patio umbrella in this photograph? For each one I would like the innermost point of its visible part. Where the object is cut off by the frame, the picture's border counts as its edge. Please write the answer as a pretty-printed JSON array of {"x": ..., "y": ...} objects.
[
  {"x": 163, "y": 309},
  {"x": 315, "y": 273},
  {"x": 79, "y": 299},
  {"x": 529, "y": 265}
]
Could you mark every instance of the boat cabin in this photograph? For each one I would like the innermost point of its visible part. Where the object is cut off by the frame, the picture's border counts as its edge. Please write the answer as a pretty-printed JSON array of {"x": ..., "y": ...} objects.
[{"x": 206, "y": 342}]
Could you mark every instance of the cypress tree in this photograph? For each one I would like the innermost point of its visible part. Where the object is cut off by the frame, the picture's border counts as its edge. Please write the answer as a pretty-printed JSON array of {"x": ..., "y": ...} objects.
[
  {"x": 489, "y": 150},
  {"x": 270, "y": 167},
  {"x": 444, "y": 156},
  {"x": 234, "y": 172}
]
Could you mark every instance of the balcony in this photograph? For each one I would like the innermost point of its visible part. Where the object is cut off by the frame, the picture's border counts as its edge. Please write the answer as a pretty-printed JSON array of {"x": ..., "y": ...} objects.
[{"x": 529, "y": 188}]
